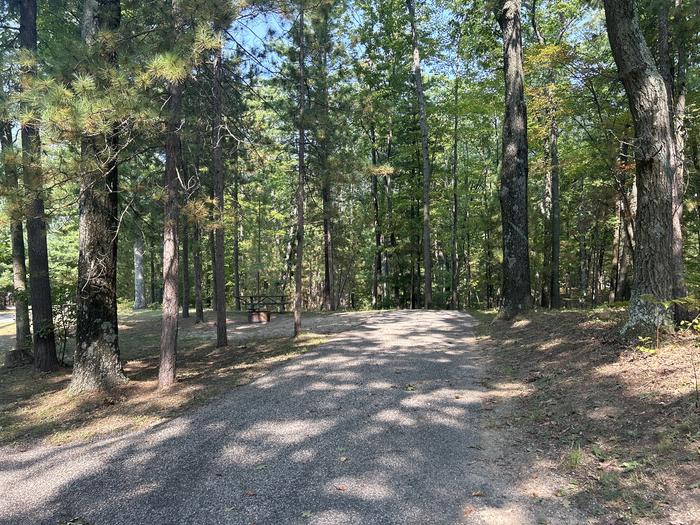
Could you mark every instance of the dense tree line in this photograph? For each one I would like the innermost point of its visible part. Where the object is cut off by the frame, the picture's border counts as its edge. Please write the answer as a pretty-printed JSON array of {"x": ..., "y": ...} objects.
[{"x": 344, "y": 154}]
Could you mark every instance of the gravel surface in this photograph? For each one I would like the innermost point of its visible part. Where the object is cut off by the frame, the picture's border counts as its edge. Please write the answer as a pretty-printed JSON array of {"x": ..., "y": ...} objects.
[{"x": 382, "y": 425}]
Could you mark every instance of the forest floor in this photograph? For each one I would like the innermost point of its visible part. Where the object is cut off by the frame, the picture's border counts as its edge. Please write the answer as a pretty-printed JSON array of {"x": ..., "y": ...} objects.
[
  {"x": 372, "y": 417},
  {"x": 621, "y": 422},
  {"x": 39, "y": 409}
]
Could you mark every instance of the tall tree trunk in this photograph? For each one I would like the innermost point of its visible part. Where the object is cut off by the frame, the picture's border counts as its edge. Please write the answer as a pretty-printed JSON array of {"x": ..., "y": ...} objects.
[
  {"x": 328, "y": 302},
  {"x": 514, "y": 168},
  {"x": 185, "y": 269},
  {"x": 546, "y": 208},
  {"x": 301, "y": 178},
  {"x": 45, "y": 358},
  {"x": 454, "y": 259},
  {"x": 236, "y": 233},
  {"x": 423, "y": 122},
  {"x": 554, "y": 284},
  {"x": 616, "y": 253},
  {"x": 676, "y": 106},
  {"x": 655, "y": 167},
  {"x": 171, "y": 213},
  {"x": 152, "y": 261},
  {"x": 139, "y": 281},
  {"x": 197, "y": 249},
  {"x": 218, "y": 176},
  {"x": 21, "y": 354},
  {"x": 324, "y": 125},
  {"x": 377, "y": 262},
  {"x": 97, "y": 365}
]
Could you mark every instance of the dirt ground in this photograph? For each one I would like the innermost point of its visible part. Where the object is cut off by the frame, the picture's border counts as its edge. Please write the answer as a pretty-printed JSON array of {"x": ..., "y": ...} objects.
[
  {"x": 620, "y": 422},
  {"x": 35, "y": 409}
]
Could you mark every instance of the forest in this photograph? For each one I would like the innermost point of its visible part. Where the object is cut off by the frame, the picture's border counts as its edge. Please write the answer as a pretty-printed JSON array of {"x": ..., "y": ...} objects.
[
  {"x": 342, "y": 155},
  {"x": 349, "y": 262}
]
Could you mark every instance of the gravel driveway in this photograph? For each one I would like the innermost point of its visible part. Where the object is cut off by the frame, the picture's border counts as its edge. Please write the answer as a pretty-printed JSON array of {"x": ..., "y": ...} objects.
[{"x": 381, "y": 425}]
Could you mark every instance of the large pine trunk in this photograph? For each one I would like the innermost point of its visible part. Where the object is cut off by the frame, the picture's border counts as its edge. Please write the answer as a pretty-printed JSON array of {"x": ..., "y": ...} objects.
[
  {"x": 218, "y": 180},
  {"x": 655, "y": 169},
  {"x": 171, "y": 213},
  {"x": 97, "y": 365},
  {"x": 45, "y": 358},
  {"x": 21, "y": 353},
  {"x": 425, "y": 157},
  {"x": 301, "y": 180},
  {"x": 514, "y": 168}
]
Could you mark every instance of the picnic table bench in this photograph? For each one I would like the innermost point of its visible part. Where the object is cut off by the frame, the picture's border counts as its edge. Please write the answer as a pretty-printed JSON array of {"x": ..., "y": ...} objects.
[{"x": 259, "y": 306}]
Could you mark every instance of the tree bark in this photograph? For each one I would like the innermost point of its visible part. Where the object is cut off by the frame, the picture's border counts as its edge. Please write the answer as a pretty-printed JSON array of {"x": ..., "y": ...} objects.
[
  {"x": 655, "y": 167},
  {"x": 377, "y": 262},
  {"x": 45, "y": 358},
  {"x": 454, "y": 259},
  {"x": 197, "y": 249},
  {"x": 171, "y": 212},
  {"x": 97, "y": 365},
  {"x": 423, "y": 122},
  {"x": 554, "y": 284},
  {"x": 218, "y": 176},
  {"x": 514, "y": 168},
  {"x": 301, "y": 179},
  {"x": 675, "y": 94},
  {"x": 236, "y": 233},
  {"x": 21, "y": 354},
  {"x": 139, "y": 281},
  {"x": 185, "y": 269}
]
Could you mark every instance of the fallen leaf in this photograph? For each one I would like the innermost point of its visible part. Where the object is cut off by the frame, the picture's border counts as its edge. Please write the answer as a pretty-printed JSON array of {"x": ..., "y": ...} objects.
[
  {"x": 478, "y": 494},
  {"x": 249, "y": 493},
  {"x": 342, "y": 488}
]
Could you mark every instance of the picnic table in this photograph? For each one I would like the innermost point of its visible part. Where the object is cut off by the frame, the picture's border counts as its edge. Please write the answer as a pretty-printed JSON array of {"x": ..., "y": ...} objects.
[{"x": 260, "y": 306}]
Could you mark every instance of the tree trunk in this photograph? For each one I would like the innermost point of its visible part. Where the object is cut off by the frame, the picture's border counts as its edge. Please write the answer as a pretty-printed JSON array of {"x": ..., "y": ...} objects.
[
  {"x": 676, "y": 105},
  {"x": 218, "y": 176},
  {"x": 185, "y": 270},
  {"x": 236, "y": 233},
  {"x": 423, "y": 122},
  {"x": 97, "y": 365},
  {"x": 152, "y": 260},
  {"x": 21, "y": 353},
  {"x": 655, "y": 167},
  {"x": 139, "y": 281},
  {"x": 616, "y": 253},
  {"x": 546, "y": 208},
  {"x": 454, "y": 259},
  {"x": 514, "y": 168},
  {"x": 171, "y": 212},
  {"x": 45, "y": 358},
  {"x": 554, "y": 284},
  {"x": 197, "y": 249},
  {"x": 301, "y": 179},
  {"x": 377, "y": 262}
]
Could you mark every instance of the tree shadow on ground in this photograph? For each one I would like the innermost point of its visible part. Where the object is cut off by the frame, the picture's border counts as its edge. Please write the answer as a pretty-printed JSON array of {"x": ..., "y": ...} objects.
[{"x": 382, "y": 425}]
